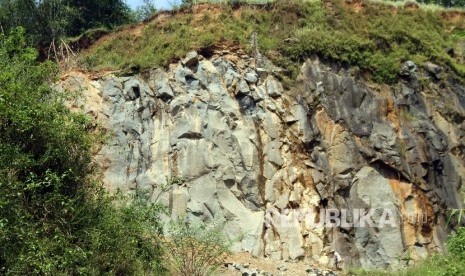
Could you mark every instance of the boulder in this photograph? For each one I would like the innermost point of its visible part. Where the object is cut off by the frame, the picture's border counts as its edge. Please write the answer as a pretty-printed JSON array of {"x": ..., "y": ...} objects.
[{"x": 190, "y": 59}]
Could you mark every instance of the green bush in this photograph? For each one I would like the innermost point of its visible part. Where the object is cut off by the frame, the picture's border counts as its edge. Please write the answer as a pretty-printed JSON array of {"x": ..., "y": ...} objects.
[
  {"x": 451, "y": 264},
  {"x": 195, "y": 249},
  {"x": 55, "y": 218},
  {"x": 456, "y": 244},
  {"x": 48, "y": 20}
]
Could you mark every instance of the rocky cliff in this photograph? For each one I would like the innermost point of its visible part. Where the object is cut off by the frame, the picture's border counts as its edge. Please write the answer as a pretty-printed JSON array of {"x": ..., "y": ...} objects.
[{"x": 242, "y": 145}]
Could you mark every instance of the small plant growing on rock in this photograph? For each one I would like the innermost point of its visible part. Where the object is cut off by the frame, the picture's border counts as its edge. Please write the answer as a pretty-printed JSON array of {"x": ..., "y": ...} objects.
[
  {"x": 195, "y": 249},
  {"x": 456, "y": 243},
  {"x": 187, "y": 3},
  {"x": 456, "y": 213}
]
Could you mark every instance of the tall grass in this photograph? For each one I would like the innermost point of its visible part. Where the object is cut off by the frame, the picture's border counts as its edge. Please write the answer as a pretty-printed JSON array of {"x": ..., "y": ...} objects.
[{"x": 377, "y": 37}]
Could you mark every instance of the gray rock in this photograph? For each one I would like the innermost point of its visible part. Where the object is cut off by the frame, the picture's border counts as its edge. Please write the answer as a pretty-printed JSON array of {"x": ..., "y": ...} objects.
[
  {"x": 249, "y": 272},
  {"x": 132, "y": 89},
  {"x": 273, "y": 87},
  {"x": 159, "y": 82},
  {"x": 408, "y": 68},
  {"x": 247, "y": 104},
  {"x": 238, "y": 266},
  {"x": 251, "y": 76},
  {"x": 434, "y": 69},
  {"x": 243, "y": 87},
  {"x": 191, "y": 59}
]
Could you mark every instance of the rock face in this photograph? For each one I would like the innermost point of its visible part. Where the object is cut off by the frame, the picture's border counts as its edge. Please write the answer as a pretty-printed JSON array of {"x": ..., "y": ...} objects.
[{"x": 267, "y": 160}]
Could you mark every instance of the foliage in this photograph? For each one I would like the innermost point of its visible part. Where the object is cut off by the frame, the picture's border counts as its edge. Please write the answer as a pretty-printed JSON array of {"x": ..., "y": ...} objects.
[
  {"x": 434, "y": 266},
  {"x": 54, "y": 216},
  {"x": 451, "y": 264},
  {"x": 456, "y": 213},
  {"x": 456, "y": 216},
  {"x": 456, "y": 244},
  {"x": 445, "y": 3},
  {"x": 195, "y": 249},
  {"x": 377, "y": 38},
  {"x": 187, "y": 3},
  {"x": 49, "y": 20},
  {"x": 144, "y": 11}
]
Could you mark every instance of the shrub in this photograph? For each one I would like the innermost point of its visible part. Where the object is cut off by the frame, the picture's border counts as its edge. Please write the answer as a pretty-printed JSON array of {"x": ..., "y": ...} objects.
[
  {"x": 456, "y": 243},
  {"x": 195, "y": 249},
  {"x": 48, "y": 20},
  {"x": 55, "y": 217}
]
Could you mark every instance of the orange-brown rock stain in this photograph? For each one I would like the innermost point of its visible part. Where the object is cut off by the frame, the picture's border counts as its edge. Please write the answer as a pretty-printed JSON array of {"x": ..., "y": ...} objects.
[{"x": 417, "y": 215}]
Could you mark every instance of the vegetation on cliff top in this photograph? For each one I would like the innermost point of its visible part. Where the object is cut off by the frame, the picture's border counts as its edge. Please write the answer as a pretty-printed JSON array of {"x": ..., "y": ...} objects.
[{"x": 371, "y": 36}]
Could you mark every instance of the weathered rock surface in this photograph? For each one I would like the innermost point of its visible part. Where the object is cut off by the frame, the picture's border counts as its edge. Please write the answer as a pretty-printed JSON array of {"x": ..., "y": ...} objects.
[{"x": 253, "y": 154}]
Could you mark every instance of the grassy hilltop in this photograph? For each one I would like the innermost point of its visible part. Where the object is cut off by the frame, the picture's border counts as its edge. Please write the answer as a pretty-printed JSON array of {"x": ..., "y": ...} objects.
[{"x": 375, "y": 37}]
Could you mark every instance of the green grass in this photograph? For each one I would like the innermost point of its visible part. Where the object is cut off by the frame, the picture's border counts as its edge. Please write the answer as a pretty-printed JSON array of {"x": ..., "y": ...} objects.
[
  {"x": 425, "y": 6},
  {"x": 433, "y": 266},
  {"x": 451, "y": 264},
  {"x": 377, "y": 39}
]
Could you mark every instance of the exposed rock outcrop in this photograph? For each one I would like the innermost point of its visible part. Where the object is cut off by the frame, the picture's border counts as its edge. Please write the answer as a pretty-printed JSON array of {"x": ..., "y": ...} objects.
[{"x": 253, "y": 153}]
